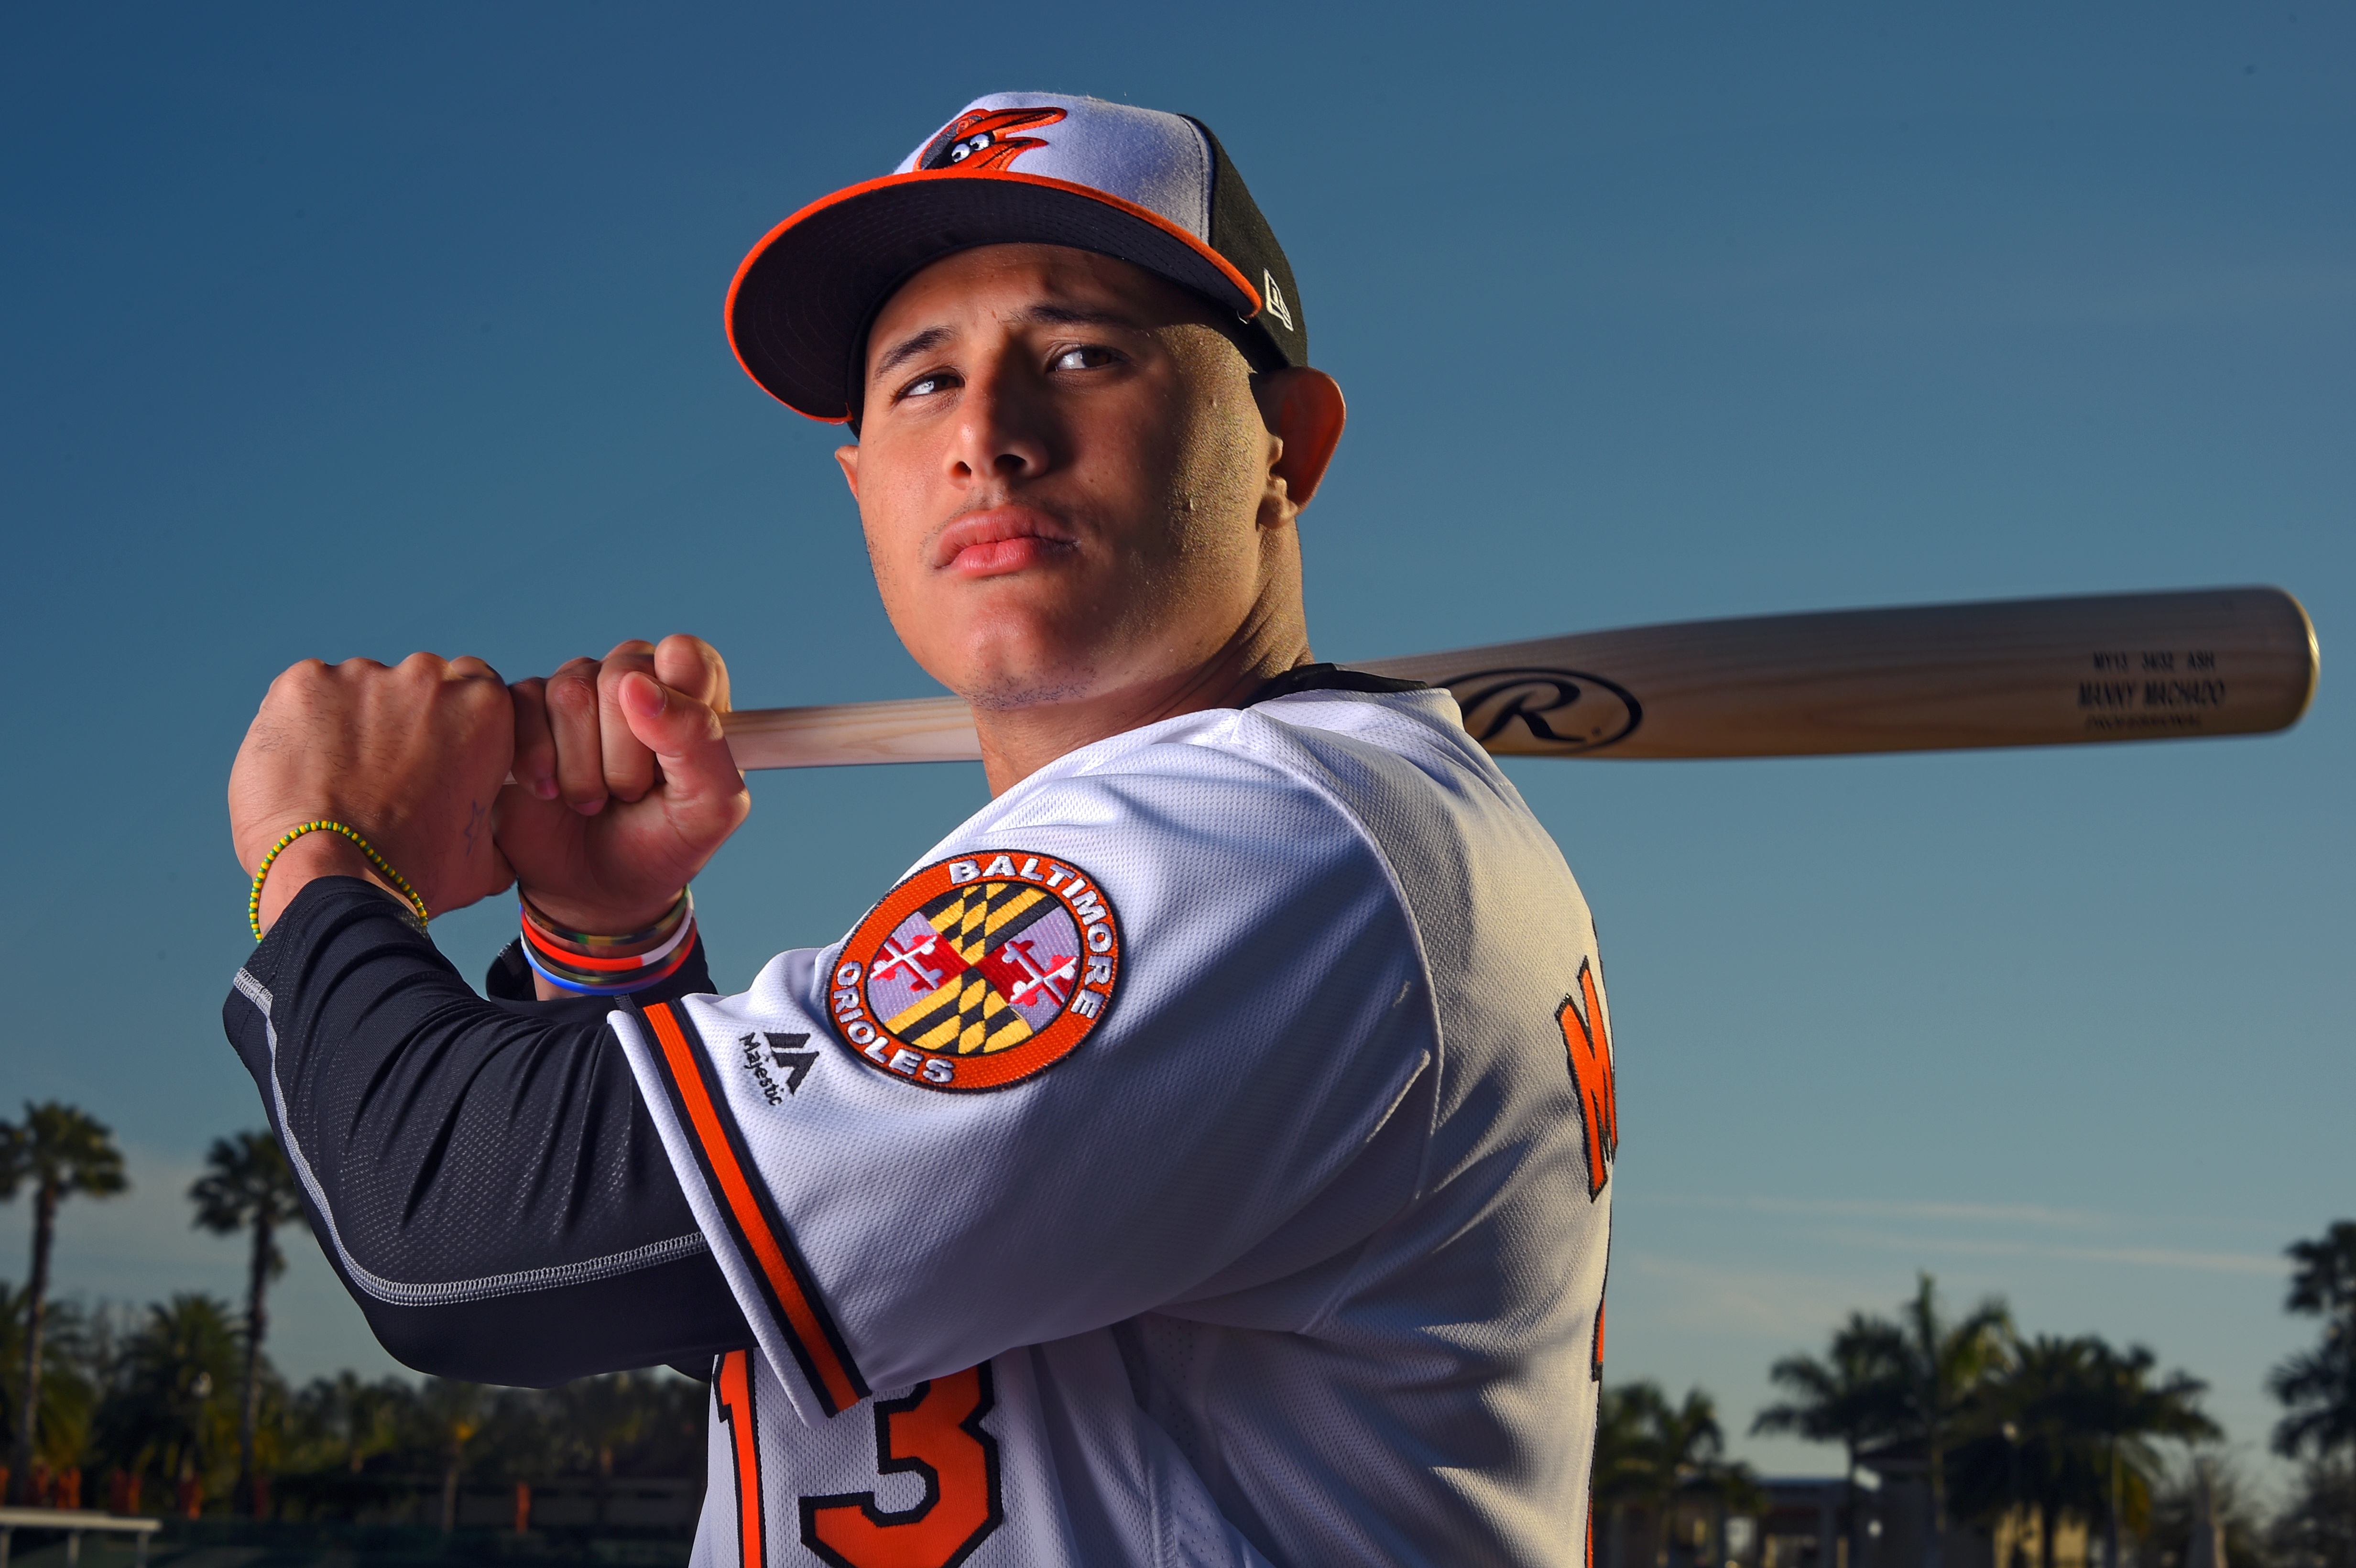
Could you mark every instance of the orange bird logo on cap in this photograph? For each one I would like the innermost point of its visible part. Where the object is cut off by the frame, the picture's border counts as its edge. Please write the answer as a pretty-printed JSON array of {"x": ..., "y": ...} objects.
[{"x": 980, "y": 141}]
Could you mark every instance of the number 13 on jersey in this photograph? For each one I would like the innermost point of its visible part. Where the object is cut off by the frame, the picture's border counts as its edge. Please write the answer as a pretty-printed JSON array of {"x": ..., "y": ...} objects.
[{"x": 933, "y": 1433}]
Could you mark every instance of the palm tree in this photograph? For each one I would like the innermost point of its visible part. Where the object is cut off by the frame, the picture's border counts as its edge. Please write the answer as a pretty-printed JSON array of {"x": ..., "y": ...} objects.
[
  {"x": 362, "y": 1418},
  {"x": 602, "y": 1414},
  {"x": 58, "y": 1152},
  {"x": 451, "y": 1413},
  {"x": 1851, "y": 1397},
  {"x": 1627, "y": 1471},
  {"x": 171, "y": 1407},
  {"x": 2129, "y": 1409},
  {"x": 2317, "y": 1524},
  {"x": 2317, "y": 1387},
  {"x": 1684, "y": 1451},
  {"x": 1941, "y": 1366},
  {"x": 2030, "y": 1446},
  {"x": 2067, "y": 1429},
  {"x": 68, "y": 1391},
  {"x": 247, "y": 1185},
  {"x": 2230, "y": 1513},
  {"x": 1650, "y": 1454},
  {"x": 1694, "y": 1448}
]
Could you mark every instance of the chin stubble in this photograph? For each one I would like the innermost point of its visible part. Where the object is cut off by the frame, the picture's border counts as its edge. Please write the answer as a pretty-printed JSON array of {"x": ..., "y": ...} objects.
[{"x": 1011, "y": 695}]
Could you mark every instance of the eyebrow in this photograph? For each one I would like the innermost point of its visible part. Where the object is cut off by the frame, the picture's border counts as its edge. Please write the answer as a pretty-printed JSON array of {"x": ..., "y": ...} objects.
[
  {"x": 907, "y": 348},
  {"x": 1075, "y": 316},
  {"x": 932, "y": 338}
]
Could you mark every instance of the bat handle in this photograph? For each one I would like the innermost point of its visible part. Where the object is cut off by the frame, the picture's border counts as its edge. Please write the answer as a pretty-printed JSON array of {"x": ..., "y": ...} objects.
[{"x": 843, "y": 734}]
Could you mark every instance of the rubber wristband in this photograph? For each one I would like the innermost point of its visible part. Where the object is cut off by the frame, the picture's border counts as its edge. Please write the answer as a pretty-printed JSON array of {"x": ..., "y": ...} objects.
[
  {"x": 538, "y": 940},
  {"x": 593, "y": 944},
  {"x": 583, "y": 986}
]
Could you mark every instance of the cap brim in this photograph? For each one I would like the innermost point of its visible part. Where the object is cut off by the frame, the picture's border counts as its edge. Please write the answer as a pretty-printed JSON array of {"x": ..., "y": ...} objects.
[{"x": 807, "y": 294}]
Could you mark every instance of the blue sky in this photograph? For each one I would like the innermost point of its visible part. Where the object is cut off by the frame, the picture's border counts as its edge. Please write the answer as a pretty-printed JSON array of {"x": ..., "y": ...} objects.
[{"x": 345, "y": 331}]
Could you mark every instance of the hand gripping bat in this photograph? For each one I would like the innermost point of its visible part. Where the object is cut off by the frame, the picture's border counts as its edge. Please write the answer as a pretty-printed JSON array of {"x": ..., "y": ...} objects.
[{"x": 1929, "y": 678}]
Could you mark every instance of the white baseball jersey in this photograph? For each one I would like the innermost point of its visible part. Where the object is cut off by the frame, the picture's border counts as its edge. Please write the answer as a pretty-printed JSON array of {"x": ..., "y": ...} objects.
[{"x": 1201, "y": 1158}]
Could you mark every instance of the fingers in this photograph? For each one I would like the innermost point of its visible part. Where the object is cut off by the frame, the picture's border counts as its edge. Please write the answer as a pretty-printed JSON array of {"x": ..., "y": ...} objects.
[
  {"x": 703, "y": 791},
  {"x": 694, "y": 666},
  {"x": 629, "y": 766},
  {"x": 574, "y": 742},
  {"x": 596, "y": 758},
  {"x": 570, "y": 698},
  {"x": 535, "y": 743}
]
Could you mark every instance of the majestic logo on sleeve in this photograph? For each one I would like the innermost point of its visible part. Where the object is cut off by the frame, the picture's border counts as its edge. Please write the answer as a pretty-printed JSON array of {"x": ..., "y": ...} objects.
[
  {"x": 1584, "y": 1036},
  {"x": 984, "y": 140},
  {"x": 979, "y": 971}
]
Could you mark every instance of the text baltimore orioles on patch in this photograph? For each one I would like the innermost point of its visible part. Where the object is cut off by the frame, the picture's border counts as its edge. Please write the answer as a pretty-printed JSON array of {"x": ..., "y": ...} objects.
[{"x": 979, "y": 971}]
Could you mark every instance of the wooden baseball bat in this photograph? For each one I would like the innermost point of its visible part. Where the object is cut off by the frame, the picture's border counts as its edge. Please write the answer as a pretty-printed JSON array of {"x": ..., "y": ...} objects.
[{"x": 1928, "y": 677}]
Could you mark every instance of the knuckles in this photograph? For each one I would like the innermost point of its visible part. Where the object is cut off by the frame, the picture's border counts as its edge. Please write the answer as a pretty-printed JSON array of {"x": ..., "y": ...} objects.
[
  {"x": 364, "y": 692},
  {"x": 620, "y": 663},
  {"x": 299, "y": 679},
  {"x": 572, "y": 689}
]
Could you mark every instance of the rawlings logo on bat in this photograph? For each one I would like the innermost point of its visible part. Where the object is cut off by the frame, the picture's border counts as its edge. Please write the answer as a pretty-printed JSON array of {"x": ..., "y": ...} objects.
[{"x": 1544, "y": 712}]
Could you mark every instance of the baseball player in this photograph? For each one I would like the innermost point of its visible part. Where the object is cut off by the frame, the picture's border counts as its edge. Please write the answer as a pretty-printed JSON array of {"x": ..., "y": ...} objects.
[{"x": 1200, "y": 1155}]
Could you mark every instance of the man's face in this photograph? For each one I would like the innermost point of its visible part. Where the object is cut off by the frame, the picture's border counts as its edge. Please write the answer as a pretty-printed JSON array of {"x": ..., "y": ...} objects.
[{"x": 1063, "y": 476}]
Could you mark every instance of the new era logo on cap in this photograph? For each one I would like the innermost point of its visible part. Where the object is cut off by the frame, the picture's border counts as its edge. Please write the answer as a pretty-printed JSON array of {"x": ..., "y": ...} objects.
[
  {"x": 1154, "y": 190},
  {"x": 1272, "y": 296}
]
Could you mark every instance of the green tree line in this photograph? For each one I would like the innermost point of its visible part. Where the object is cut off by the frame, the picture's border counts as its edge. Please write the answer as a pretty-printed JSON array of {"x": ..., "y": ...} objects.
[
  {"x": 2050, "y": 1431},
  {"x": 147, "y": 1412},
  {"x": 178, "y": 1407}
]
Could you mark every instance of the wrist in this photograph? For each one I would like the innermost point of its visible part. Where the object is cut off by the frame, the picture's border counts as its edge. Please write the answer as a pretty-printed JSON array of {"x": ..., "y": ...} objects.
[
  {"x": 611, "y": 919},
  {"x": 309, "y": 857},
  {"x": 579, "y": 963}
]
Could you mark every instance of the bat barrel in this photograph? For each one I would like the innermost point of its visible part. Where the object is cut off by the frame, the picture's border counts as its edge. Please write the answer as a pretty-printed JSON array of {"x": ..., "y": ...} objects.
[
  {"x": 1931, "y": 678},
  {"x": 2233, "y": 661}
]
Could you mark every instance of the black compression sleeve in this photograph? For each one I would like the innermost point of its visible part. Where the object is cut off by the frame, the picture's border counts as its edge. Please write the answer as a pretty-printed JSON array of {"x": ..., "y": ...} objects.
[{"x": 482, "y": 1175}]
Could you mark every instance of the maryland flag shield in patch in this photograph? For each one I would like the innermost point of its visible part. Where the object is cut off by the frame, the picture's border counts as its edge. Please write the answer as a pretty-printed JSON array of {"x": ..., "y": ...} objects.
[{"x": 980, "y": 971}]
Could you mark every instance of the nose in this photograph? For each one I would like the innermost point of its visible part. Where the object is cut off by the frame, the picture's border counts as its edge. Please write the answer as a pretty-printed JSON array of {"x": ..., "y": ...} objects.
[{"x": 1005, "y": 425}]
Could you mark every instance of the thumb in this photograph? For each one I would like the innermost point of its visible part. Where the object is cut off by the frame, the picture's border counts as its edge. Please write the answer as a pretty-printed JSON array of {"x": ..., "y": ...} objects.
[{"x": 701, "y": 778}]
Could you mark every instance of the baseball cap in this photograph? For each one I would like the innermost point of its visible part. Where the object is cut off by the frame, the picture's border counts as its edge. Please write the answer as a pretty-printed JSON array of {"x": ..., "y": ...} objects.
[{"x": 1154, "y": 190}]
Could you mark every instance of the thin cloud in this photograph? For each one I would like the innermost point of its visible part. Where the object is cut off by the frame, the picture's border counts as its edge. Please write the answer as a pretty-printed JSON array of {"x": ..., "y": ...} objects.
[
  {"x": 2147, "y": 1257},
  {"x": 1754, "y": 1303},
  {"x": 1805, "y": 289},
  {"x": 1872, "y": 1209}
]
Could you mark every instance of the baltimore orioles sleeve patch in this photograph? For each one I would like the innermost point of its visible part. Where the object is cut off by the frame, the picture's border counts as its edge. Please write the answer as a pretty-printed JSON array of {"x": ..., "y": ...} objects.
[{"x": 980, "y": 971}]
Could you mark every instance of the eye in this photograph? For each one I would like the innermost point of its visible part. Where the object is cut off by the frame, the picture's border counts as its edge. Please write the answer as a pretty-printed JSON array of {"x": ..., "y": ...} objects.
[
  {"x": 1087, "y": 357},
  {"x": 926, "y": 385}
]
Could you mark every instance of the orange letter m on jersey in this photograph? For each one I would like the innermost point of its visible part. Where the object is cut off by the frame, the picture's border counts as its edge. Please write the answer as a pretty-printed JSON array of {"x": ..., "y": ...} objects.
[{"x": 1589, "y": 1045}]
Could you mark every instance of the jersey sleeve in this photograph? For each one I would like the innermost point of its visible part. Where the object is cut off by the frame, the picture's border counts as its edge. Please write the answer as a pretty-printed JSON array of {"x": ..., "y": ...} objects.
[
  {"x": 480, "y": 1174},
  {"x": 1157, "y": 1038}
]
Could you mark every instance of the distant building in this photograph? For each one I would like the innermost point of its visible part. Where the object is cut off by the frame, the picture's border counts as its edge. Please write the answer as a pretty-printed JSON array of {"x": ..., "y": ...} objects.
[{"x": 1807, "y": 1521}]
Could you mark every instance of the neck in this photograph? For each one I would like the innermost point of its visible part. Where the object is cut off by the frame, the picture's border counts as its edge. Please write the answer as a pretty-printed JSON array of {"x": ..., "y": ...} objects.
[{"x": 1018, "y": 741}]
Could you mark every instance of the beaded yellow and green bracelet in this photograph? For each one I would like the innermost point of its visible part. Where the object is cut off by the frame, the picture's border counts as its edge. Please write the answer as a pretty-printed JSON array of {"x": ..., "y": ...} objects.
[{"x": 253, "y": 898}]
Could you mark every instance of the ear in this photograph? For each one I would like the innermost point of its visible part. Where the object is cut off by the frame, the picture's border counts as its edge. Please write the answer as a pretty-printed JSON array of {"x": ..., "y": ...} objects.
[
  {"x": 847, "y": 455},
  {"x": 1303, "y": 410}
]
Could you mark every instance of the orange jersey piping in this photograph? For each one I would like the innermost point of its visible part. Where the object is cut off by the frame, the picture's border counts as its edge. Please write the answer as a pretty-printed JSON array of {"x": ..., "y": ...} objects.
[{"x": 760, "y": 1232}]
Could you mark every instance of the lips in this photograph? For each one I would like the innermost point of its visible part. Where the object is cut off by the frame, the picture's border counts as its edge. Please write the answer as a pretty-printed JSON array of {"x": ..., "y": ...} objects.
[{"x": 1000, "y": 540}]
